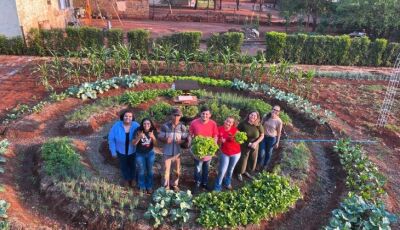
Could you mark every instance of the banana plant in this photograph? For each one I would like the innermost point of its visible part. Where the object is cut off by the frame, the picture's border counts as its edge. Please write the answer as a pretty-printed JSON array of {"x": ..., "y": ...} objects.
[
  {"x": 187, "y": 56},
  {"x": 138, "y": 57},
  {"x": 176, "y": 57},
  {"x": 206, "y": 59},
  {"x": 272, "y": 73},
  {"x": 153, "y": 59},
  {"x": 167, "y": 55},
  {"x": 226, "y": 56},
  {"x": 253, "y": 69},
  {"x": 262, "y": 69}
]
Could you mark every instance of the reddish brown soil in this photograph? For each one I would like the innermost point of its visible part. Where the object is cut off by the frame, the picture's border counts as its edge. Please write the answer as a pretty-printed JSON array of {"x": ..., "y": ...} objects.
[{"x": 349, "y": 99}]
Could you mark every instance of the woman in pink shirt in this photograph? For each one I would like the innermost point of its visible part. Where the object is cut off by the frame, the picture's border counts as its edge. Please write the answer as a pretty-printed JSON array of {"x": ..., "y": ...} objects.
[{"x": 230, "y": 153}]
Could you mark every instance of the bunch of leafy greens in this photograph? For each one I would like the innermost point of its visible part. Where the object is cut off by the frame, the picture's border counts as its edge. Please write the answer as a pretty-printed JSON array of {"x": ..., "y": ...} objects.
[
  {"x": 204, "y": 146},
  {"x": 240, "y": 137}
]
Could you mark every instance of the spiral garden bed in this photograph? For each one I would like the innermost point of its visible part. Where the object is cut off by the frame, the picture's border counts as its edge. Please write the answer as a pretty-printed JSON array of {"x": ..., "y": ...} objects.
[{"x": 289, "y": 197}]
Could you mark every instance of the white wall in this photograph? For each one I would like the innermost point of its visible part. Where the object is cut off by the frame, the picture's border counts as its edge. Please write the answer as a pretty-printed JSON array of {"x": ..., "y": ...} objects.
[{"x": 9, "y": 23}]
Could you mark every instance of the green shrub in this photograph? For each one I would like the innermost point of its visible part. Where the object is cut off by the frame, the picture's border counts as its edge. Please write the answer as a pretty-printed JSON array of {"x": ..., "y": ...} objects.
[
  {"x": 358, "y": 51},
  {"x": 340, "y": 50},
  {"x": 262, "y": 198},
  {"x": 139, "y": 41},
  {"x": 376, "y": 50},
  {"x": 91, "y": 37},
  {"x": 390, "y": 54},
  {"x": 35, "y": 43},
  {"x": 232, "y": 40},
  {"x": 60, "y": 159},
  {"x": 12, "y": 46},
  {"x": 53, "y": 40},
  {"x": 115, "y": 37},
  {"x": 73, "y": 39},
  {"x": 184, "y": 42},
  {"x": 294, "y": 47},
  {"x": 275, "y": 42},
  {"x": 314, "y": 50},
  {"x": 3, "y": 43}
]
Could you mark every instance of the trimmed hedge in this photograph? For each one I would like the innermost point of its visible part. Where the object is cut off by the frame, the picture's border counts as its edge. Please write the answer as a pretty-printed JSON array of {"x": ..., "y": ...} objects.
[
  {"x": 139, "y": 41},
  {"x": 232, "y": 40},
  {"x": 53, "y": 40},
  {"x": 91, "y": 37},
  {"x": 275, "y": 46},
  {"x": 359, "y": 51},
  {"x": 330, "y": 50},
  {"x": 115, "y": 37},
  {"x": 12, "y": 46},
  {"x": 185, "y": 41},
  {"x": 376, "y": 50},
  {"x": 390, "y": 54},
  {"x": 73, "y": 38},
  {"x": 294, "y": 47}
]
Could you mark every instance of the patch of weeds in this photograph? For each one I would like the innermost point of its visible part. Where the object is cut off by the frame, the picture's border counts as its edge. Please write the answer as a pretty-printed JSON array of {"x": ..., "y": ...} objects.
[
  {"x": 393, "y": 128},
  {"x": 86, "y": 111},
  {"x": 373, "y": 88},
  {"x": 295, "y": 161}
]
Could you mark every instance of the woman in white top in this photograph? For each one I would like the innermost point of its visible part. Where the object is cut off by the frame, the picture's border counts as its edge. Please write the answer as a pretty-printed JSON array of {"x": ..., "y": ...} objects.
[{"x": 272, "y": 134}]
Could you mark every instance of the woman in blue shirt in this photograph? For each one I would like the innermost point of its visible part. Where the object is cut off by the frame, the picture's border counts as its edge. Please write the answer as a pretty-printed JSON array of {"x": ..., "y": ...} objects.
[{"x": 121, "y": 147}]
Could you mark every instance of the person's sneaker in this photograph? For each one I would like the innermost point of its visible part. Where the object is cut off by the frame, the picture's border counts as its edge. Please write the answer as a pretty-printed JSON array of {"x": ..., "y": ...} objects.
[
  {"x": 239, "y": 177},
  {"x": 176, "y": 188},
  {"x": 149, "y": 191},
  {"x": 248, "y": 175},
  {"x": 142, "y": 191},
  {"x": 166, "y": 187},
  {"x": 229, "y": 187}
]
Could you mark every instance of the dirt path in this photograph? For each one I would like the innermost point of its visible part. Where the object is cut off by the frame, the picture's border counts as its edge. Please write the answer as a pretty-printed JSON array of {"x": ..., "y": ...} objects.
[{"x": 323, "y": 196}]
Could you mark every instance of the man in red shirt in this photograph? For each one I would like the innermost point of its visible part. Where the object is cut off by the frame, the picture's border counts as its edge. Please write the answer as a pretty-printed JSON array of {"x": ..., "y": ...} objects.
[{"x": 205, "y": 127}]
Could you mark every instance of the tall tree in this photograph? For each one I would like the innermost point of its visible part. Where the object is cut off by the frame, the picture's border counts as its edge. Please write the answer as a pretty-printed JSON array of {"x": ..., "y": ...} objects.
[
  {"x": 378, "y": 17},
  {"x": 312, "y": 8}
]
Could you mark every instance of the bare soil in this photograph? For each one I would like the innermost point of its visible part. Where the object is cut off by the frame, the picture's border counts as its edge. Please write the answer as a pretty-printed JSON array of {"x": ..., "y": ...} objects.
[{"x": 355, "y": 102}]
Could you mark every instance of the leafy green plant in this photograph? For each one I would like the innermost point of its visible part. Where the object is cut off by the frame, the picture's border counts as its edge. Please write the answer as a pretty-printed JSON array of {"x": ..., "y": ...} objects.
[
  {"x": 3, "y": 148},
  {"x": 221, "y": 111},
  {"x": 4, "y": 205},
  {"x": 90, "y": 90},
  {"x": 190, "y": 111},
  {"x": 204, "y": 146},
  {"x": 169, "y": 205},
  {"x": 357, "y": 213},
  {"x": 363, "y": 177},
  {"x": 264, "y": 197},
  {"x": 157, "y": 112},
  {"x": 240, "y": 137},
  {"x": 101, "y": 197},
  {"x": 60, "y": 159},
  {"x": 115, "y": 37}
]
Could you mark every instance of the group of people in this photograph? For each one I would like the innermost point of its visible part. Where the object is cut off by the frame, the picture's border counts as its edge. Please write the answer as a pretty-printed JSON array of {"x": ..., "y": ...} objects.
[{"x": 133, "y": 144}]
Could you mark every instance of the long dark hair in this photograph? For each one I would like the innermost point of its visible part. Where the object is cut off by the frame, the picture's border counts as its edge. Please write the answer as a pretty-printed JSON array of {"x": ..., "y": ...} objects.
[
  {"x": 152, "y": 127},
  {"x": 266, "y": 118}
]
